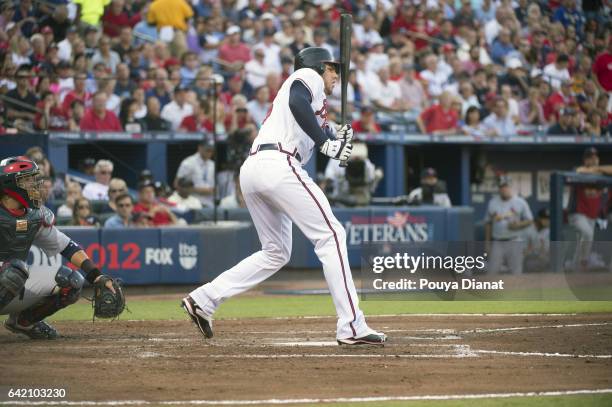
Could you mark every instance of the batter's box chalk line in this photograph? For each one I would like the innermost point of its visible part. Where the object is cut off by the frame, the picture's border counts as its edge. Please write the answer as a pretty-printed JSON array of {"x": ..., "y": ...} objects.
[
  {"x": 309, "y": 400},
  {"x": 433, "y": 351}
]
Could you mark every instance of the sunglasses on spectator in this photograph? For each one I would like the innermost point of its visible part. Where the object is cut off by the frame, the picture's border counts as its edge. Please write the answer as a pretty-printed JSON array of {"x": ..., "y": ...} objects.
[
  {"x": 112, "y": 191},
  {"x": 104, "y": 172}
]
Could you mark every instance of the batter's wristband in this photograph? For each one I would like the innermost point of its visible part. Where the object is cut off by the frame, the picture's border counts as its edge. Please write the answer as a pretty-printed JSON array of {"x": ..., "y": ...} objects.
[{"x": 91, "y": 271}]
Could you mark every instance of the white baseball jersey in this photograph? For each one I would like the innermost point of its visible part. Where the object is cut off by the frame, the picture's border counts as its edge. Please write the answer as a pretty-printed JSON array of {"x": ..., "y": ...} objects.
[
  {"x": 279, "y": 192},
  {"x": 280, "y": 125}
]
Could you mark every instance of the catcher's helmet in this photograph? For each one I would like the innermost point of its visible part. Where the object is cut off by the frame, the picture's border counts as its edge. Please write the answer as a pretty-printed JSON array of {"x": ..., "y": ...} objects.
[
  {"x": 315, "y": 58},
  {"x": 20, "y": 179}
]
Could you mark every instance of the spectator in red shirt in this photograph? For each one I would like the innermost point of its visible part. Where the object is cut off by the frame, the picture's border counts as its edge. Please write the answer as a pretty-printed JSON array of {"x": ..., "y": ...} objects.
[
  {"x": 602, "y": 68},
  {"x": 440, "y": 118},
  {"x": 602, "y": 107},
  {"x": 98, "y": 118},
  {"x": 367, "y": 122},
  {"x": 404, "y": 17},
  {"x": 234, "y": 87},
  {"x": 116, "y": 17},
  {"x": 238, "y": 117},
  {"x": 78, "y": 93},
  {"x": 233, "y": 54},
  {"x": 557, "y": 100},
  {"x": 419, "y": 33},
  {"x": 154, "y": 212},
  {"x": 199, "y": 120},
  {"x": 50, "y": 115}
]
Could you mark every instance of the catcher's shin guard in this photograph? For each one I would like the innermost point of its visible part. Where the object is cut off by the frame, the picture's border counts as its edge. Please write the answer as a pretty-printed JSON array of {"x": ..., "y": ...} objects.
[
  {"x": 68, "y": 290},
  {"x": 13, "y": 276}
]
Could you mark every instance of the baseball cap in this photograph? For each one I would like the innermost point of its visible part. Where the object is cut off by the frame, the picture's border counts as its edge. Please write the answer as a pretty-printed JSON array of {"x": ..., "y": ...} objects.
[
  {"x": 298, "y": 15},
  {"x": 513, "y": 63},
  {"x": 88, "y": 162},
  {"x": 206, "y": 144},
  {"x": 448, "y": 48},
  {"x": 137, "y": 216},
  {"x": 234, "y": 29},
  {"x": 367, "y": 109},
  {"x": 429, "y": 172},
  {"x": 184, "y": 182},
  {"x": 320, "y": 32},
  {"x": 504, "y": 180},
  {"x": 64, "y": 65},
  {"x": 145, "y": 174},
  {"x": 218, "y": 79},
  {"x": 146, "y": 183},
  {"x": 589, "y": 152},
  {"x": 544, "y": 213},
  {"x": 267, "y": 16},
  {"x": 180, "y": 88},
  {"x": 567, "y": 111},
  {"x": 248, "y": 14}
]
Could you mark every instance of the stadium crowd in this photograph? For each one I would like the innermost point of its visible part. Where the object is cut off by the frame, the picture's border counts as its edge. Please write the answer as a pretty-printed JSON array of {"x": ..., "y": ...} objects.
[
  {"x": 477, "y": 67},
  {"x": 481, "y": 68}
]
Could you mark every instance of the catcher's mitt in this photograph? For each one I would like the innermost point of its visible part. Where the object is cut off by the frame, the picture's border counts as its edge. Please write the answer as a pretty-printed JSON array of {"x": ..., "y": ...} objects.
[{"x": 107, "y": 304}]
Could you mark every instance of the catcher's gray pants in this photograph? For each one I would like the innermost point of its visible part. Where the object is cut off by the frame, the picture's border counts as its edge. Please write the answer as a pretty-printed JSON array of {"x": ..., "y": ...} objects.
[
  {"x": 509, "y": 251},
  {"x": 39, "y": 285},
  {"x": 585, "y": 228}
]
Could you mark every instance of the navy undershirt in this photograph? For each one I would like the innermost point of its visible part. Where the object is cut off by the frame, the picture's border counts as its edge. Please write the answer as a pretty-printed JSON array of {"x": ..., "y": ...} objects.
[{"x": 300, "y": 99}]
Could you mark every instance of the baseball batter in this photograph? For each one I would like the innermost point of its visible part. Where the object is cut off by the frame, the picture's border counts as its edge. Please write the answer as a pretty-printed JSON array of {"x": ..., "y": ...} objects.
[
  {"x": 29, "y": 298},
  {"x": 278, "y": 192}
]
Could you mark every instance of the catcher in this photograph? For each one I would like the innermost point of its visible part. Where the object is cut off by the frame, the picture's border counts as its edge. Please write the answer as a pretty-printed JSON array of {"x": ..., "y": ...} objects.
[{"x": 29, "y": 299}]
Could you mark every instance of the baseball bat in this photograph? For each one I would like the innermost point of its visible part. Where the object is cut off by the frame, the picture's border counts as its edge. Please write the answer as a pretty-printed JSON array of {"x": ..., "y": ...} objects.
[{"x": 346, "y": 27}]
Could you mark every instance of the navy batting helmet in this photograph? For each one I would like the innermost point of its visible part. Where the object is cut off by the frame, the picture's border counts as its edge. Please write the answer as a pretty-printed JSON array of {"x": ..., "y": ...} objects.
[
  {"x": 20, "y": 179},
  {"x": 315, "y": 58}
]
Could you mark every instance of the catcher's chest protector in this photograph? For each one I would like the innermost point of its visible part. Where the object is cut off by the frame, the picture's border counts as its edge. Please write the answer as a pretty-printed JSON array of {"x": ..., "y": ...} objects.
[{"x": 17, "y": 233}]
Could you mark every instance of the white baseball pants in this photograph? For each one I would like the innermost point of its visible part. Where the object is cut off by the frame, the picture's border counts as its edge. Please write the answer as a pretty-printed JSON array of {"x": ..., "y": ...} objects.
[{"x": 277, "y": 192}]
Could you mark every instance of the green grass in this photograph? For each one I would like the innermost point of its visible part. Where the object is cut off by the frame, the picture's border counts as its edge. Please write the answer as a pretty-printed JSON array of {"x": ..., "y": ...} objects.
[
  {"x": 595, "y": 400},
  {"x": 309, "y": 305}
]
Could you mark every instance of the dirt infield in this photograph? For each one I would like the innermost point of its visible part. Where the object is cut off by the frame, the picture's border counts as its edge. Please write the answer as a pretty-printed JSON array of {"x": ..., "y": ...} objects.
[{"x": 294, "y": 358}]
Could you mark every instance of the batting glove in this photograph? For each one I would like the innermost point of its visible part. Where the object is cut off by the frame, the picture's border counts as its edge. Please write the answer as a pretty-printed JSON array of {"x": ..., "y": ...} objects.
[
  {"x": 337, "y": 149},
  {"x": 344, "y": 133}
]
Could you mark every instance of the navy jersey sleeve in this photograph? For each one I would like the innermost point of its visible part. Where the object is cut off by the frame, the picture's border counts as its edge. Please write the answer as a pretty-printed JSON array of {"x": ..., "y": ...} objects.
[{"x": 299, "y": 104}]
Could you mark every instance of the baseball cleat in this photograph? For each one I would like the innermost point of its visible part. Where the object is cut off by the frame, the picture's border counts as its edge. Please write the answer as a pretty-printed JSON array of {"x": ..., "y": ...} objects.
[
  {"x": 202, "y": 321},
  {"x": 38, "y": 330},
  {"x": 373, "y": 338}
]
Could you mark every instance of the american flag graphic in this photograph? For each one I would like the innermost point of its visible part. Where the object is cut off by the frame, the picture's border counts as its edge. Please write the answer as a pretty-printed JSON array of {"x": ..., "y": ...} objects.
[{"x": 398, "y": 219}]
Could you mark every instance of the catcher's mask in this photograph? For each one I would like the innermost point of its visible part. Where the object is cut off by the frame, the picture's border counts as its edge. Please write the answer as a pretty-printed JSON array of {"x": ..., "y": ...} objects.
[{"x": 21, "y": 180}]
